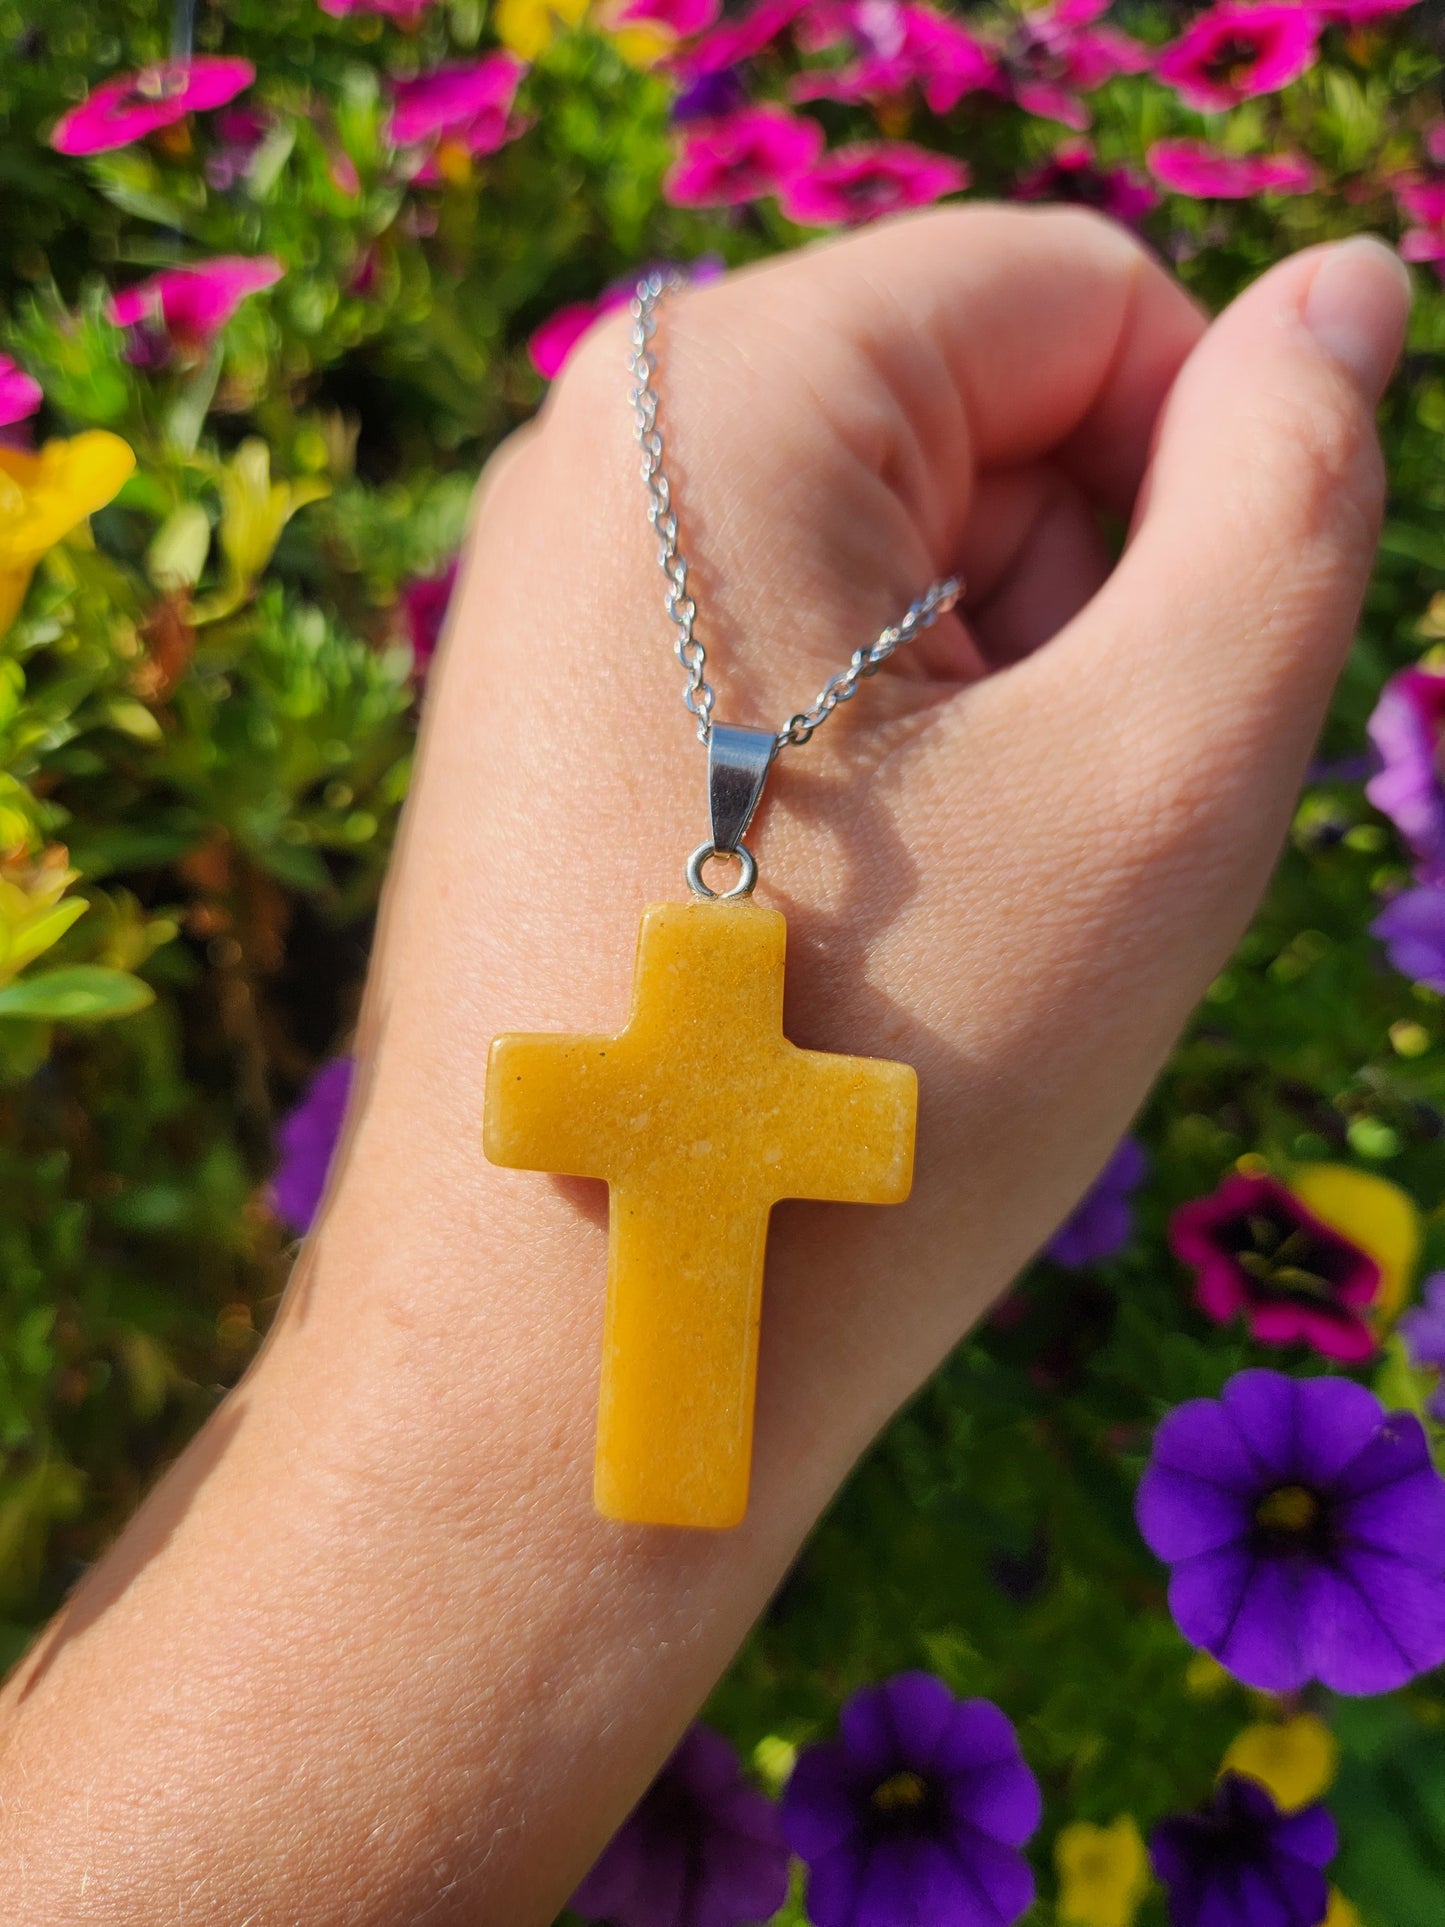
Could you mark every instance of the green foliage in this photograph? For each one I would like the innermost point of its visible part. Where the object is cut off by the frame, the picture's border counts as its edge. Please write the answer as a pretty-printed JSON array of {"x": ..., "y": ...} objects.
[{"x": 206, "y": 725}]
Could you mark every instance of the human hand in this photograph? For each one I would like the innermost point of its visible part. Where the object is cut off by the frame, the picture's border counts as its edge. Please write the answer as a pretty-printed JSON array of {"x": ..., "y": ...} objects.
[{"x": 1015, "y": 861}]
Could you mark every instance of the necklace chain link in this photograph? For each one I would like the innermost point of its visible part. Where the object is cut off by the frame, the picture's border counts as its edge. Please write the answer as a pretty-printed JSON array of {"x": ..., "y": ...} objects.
[{"x": 681, "y": 607}]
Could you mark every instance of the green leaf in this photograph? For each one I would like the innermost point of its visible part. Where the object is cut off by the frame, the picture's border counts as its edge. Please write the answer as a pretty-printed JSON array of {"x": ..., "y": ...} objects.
[{"x": 81, "y": 994}]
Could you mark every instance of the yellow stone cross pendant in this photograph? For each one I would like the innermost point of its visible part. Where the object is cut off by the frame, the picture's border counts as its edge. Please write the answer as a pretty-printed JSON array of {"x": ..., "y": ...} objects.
[{"x": 700, "y": 1115}]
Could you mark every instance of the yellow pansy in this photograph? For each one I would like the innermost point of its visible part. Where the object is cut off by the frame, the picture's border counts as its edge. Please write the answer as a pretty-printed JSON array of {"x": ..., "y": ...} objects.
[
  {"x": 1295, "y": 1759},
  {"x": 43, "y": 497},
  {"x": 1343, "y": 1913},
  {"x": 1371, "y": 1212},
  {"x": 1103, "y": 1873}
]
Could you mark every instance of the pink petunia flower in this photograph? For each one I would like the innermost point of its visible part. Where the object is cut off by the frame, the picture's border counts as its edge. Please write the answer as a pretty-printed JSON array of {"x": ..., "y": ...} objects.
[
  {"x": 684, "y": 18},
  {"x": 1237, "y": 50},
  {"x": 425, "y": 600},
  {"x": 900, "y": 45},
  {"x": 1360, "y": 13},
  {"x": 124, "y": 110},
  {"x": 1258, "y": 1251},
  {"x": 406, "y": 11},
  {"x": 455, "y": 99},
  {"x": 740, "y": 157},
  {"x": 1073, "y": 175},
  {"x": 868, "y": 180},
  {"x": 550, "y": 345},
  {"x": 239, "y": 132},
  {"x": 1058, "y": 53},
  {"x": 733, "y": 41},
  {"x": 1197, "y": 169},
  {"x": 20, "y": 394},
  {"x": 185, "y": 308},
  {"x": 1422, "y": 198}
]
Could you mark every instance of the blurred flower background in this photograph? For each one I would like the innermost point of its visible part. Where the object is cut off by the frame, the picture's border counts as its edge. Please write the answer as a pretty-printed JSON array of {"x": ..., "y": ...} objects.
[{"x": 1135, "y": 1616}]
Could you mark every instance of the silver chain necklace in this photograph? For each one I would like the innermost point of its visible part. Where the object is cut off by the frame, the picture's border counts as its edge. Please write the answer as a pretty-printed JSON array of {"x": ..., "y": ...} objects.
[{"x": 738, "y": 758}]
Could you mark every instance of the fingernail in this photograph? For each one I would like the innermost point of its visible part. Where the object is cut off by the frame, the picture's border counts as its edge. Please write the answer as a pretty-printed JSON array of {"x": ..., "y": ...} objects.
[{"x": 1357, "y": 307}]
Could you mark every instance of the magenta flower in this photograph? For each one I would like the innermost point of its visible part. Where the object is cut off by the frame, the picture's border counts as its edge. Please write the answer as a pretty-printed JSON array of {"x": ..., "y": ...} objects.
[
  {"x": 456, "y": 99},
  {"x": 866, "y": 181},
  {"x": 700, "y": 1849},
  {"x": 20, "y": 394},
  {"x": 1304, "y": 1526},
  {"x": 407, "y": 11},
  {"x": 1074, "y": 175},
  {"x": 741, "y": 157},
  {"x": 1244, "y": 1861},
  {"x": 1102, "y": 1222},
  {"x": 239, "y": 132},
  {"x": 1359, "y": 13},
  {"x": 1197, "y": 169},
  {"x": 733, "y": 41},
  {"x": 550, "y": 345},
  {"x": 307, "y": 1139},
  {"x": 1237, "y": 50},
  {"x": 1057, "y": 54},
  {"x": 424, "y": 604},
  {"x": 1408, "y": 729},
  {"x": 915, "y": 1813},
  {"x": 1257, "y": 1251},
  {"x": 899, "y": 45},
  {"x": 127, "y": 108},
  {"x": 185, "y": 308},
  {"x": 685, "y": 18}
]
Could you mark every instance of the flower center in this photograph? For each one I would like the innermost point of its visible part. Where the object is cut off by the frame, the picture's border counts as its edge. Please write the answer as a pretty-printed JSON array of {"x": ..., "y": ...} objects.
[
  {"x": 1233, "y": 59},
  {"x": 1285, "y": 1258},
  {"x": 158, "y": 83},
  {"x": 1288, "y": 1509},
  {"x": 901, "y": 1791}
]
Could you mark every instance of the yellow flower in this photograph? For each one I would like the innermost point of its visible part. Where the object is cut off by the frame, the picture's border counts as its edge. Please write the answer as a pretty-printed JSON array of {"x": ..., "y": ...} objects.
[
  {"x": 1343, "y": 1913},
  {"x": 1295, "y": 1759},
  {"x": 1372, "y": 1213},
  {"x": 528, "y": 27},
  {"x": 1103, "y": 1873},
  {"x": 43, "y": 497},
  {"x": 34, "y": 910}
]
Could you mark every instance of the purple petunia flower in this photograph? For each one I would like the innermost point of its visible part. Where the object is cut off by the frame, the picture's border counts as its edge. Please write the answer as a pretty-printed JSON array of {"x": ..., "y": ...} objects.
[
  {"x": 1258, "y": 1251},
  {"x": 307, "y": 1138},
  {"x": 1102, "y": 1222},
  {"x": 20, "y": 394},
  {"x": 1201, "y": 171},
  {"x": 870, "y": 179},
  {"x": 1305, "y": 1527},
  {"x": 916, "y": 1812},
  {"x": 1412, "y": 928},
  {"x": 124, "y": 110},
  {"x": 1423, "y": 1330},
  {"x": 1244, "y": 1863},
  {"x": 186, "y": 308},
  {"x": 1408, "y": 728},
  {"x": 741, "y": 157},
  {"x": 700, "y": 1849},
  {"x": 1074, "y": 175},
  {"x": 1238, "y": 50}
]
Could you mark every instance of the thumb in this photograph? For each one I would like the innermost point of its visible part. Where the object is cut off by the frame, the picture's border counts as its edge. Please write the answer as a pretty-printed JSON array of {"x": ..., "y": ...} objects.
[{"x": 1215, "y": 644}]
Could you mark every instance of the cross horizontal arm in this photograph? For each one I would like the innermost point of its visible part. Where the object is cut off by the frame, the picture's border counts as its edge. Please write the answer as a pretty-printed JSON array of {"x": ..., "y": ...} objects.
[
  {"x": 549, "y": 1103},
  {"x": 851, "y": 1129}
]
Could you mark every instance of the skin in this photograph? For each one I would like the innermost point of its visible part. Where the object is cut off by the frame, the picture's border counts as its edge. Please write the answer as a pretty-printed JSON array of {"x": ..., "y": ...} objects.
[{"x": 366, "y": 1654}]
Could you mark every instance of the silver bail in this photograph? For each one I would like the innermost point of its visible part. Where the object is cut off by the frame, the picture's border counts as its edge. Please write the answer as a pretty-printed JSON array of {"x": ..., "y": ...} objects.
[{"x": 738, "y": 761}]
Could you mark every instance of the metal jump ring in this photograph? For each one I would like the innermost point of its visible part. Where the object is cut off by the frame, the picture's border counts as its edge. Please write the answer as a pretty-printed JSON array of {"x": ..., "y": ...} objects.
[{"x": 742, "y": 888}]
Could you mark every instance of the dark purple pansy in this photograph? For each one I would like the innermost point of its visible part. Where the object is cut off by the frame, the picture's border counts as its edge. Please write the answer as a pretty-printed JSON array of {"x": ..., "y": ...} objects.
[
  {"x": 1102, "y": 1222},
  {"x": 1258, "y": 1252},
  {"x": 916, "y": 1812},
  {"x": 1423, "y": 1330},
  {"x": 307, "y": 1140},
  {"x": 700, "y": 1849},
  {"x": 1243, "y": 1863},
  {"x": 1407, "y": 729},
  {"x": 1412, "y": 929},
  {"x": 1305, "y": 1526}
]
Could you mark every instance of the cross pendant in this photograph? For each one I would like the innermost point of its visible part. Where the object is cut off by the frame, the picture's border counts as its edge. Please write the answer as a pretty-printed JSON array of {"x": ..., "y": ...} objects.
[{"x": 700, "y": 1115}]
